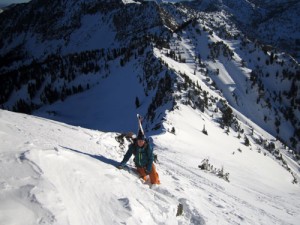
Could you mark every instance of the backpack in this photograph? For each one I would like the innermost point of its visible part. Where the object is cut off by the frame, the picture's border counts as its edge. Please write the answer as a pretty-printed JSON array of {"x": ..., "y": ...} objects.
[{"x": 131, "y": 137}]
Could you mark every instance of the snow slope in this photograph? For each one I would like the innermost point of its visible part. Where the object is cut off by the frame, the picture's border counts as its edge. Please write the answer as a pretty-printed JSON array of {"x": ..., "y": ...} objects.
[
  {"x": 53, "y": 173},
  {"x": 104, "y": 106}
]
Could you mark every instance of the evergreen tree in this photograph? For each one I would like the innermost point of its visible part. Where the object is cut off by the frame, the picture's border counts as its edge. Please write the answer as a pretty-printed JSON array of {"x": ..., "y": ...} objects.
[
  {"x": 204, "y": 131},
  {"x": 247, "y": 142},
  {"x": 173, "y": 130},
  {"x": 137, "y": 102},
  {"x": 227, "y": 116}
]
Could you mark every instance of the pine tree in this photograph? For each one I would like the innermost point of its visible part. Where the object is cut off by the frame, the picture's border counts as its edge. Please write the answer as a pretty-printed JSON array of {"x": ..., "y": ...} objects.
[
  {"x": 247, "y": 142},
  {"x": 204, "y": 131},
  {"x": 227, "y": 116},
  {"x": 137, "y": 102},
  {"x": 173, "y": 130}
]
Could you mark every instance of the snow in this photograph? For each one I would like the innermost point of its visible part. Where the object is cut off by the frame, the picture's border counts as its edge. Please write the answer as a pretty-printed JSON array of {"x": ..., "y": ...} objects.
[
  {"x": 92, "y": 34},
  {"x": 129, "y": 1},
  {"x": 54, "y": 173},
  {"x": 107, "y": 113}
]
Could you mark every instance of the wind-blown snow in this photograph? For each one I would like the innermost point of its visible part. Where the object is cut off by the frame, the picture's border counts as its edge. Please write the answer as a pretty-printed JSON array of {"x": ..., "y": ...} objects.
[{"x": 53, "y": 173}]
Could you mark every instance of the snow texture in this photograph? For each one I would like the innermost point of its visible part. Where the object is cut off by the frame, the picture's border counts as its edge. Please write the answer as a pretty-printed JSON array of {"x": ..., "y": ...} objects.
[{"x": 54, "y": 173}]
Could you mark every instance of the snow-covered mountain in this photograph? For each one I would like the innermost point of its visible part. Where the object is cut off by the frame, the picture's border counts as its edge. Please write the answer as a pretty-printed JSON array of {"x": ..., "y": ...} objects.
[
  {"x": 208, "y": 92},
  {"x": 54, "y": 173},
  {"x": 45, "y": 58},
  {"x": 274, "y": 23}
]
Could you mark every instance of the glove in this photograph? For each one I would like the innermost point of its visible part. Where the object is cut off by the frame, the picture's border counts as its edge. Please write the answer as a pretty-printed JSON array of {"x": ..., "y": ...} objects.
[
  {"x": 147, "y": 172},
  {"x": 120, "y": 167}
]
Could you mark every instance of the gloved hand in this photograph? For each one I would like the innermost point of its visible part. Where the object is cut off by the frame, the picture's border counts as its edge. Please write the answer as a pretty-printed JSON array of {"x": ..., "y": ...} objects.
[{"x": 120, "y": 166}]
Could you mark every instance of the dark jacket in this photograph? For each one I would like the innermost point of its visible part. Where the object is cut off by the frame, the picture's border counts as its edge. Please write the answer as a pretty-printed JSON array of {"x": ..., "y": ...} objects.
[{"x": 143, "y": 156}]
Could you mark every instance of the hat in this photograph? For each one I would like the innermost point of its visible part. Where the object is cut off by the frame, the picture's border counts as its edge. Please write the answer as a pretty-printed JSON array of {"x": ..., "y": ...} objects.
[{"x": 140, "y": 136}]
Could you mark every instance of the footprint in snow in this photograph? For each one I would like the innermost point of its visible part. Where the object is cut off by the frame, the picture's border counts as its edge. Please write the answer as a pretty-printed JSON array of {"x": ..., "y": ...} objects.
[{"x": 125, "y": 203}]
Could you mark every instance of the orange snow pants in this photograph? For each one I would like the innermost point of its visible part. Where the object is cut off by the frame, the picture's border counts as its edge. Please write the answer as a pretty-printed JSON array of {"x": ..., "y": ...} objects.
[{"x": 154, "y": 178}]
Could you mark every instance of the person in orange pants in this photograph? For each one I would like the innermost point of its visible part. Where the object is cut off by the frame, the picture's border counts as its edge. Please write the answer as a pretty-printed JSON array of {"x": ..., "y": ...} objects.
[{"x": 143, "y": 152}]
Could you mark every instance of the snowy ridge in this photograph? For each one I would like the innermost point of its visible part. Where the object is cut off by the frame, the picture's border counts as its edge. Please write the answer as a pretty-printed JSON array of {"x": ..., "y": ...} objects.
[
  {"x": 91, "y": 41},
  {"x": 59, "y": 174}
]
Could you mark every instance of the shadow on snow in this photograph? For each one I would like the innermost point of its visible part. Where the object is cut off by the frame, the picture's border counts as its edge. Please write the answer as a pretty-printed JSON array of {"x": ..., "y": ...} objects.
[{"x": 98, "y": 157}]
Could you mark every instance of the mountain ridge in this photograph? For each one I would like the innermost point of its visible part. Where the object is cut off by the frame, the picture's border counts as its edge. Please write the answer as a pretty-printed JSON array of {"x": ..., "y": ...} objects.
[{"x": 135, "y": 31}]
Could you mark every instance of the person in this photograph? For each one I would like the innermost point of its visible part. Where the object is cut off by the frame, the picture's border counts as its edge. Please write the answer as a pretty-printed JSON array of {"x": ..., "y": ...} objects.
[{"x": 143, "y": 160}]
